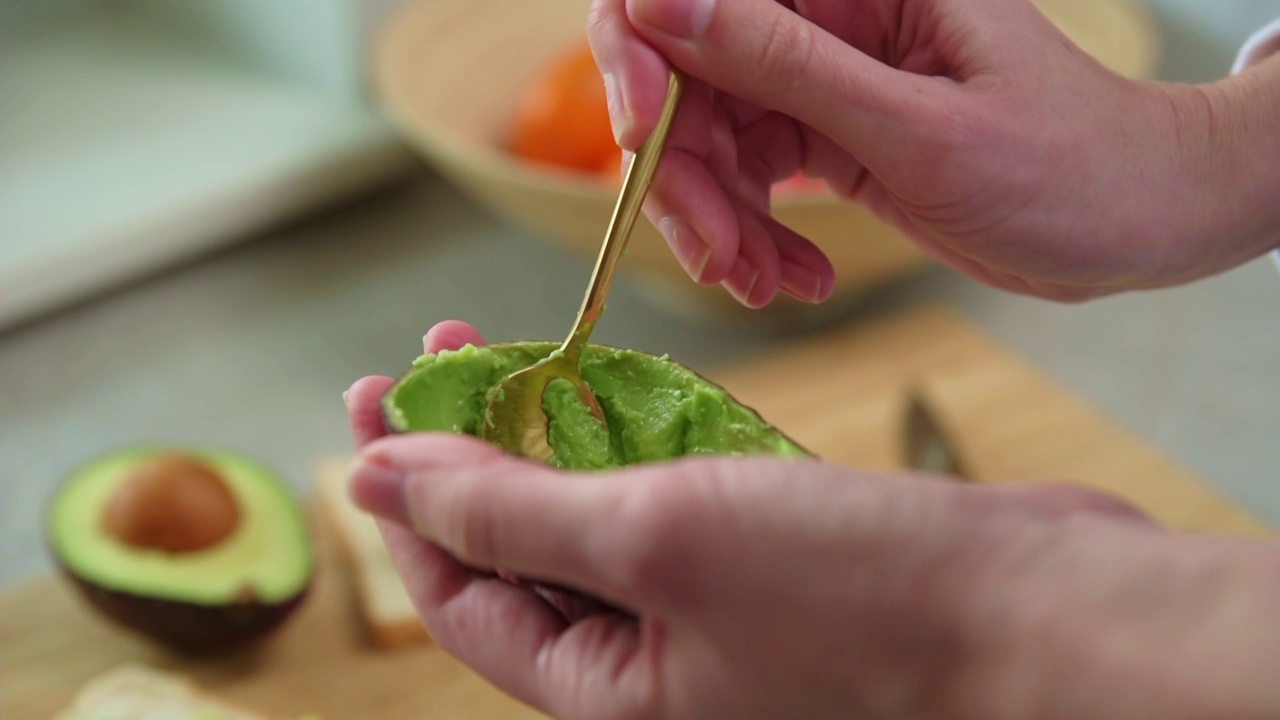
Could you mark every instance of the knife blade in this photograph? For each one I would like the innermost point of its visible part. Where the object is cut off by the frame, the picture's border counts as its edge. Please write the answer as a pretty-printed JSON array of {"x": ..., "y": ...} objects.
[{"x": 926, "y": 444}]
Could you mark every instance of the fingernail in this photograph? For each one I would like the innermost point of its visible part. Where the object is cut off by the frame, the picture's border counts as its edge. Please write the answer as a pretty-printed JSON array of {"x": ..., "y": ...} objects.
[
  {"x": 801, "y": 282},
  {"x": 379, "y": 490},
  {"x": 689, "y": 249},
  {"x": 685, "y": 19},
  {"x": 744, "y": 275},
  {"x": 346, "y": 398},
  {"x": 751, "y": 286},
  {"x": 619, "y": 120}
]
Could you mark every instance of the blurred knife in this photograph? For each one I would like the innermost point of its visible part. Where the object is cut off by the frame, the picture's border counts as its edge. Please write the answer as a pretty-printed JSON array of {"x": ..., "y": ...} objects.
[{"x": 927, "y": 446}]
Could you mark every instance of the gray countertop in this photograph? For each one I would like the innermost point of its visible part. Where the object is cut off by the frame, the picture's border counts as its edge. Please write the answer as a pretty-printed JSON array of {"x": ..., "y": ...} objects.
[{"x": 251, "y": 348}]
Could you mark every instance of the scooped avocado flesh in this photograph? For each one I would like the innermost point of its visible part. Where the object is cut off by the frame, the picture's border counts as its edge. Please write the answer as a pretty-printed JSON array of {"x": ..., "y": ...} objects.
[
  {"x": 655, "y": 408},
  {"x": 266, "y": 559}
]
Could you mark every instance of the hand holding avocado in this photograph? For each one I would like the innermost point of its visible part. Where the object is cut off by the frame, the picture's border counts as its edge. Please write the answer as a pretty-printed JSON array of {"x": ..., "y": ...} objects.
[{"x": 766, "y": 587}]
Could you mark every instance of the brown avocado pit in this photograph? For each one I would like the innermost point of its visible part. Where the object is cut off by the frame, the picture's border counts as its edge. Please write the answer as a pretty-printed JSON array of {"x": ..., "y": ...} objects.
[
  {"x": 656, "y": 410},
  {"x": 201, "y": 551},
  {"x": 172, "y": 504}
]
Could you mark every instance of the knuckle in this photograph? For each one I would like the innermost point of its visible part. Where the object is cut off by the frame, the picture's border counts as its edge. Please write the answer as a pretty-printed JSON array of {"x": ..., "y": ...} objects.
[
  {"x": 786, "y": 54},
  {"x": 941, "y": 135},
  {"x": 649, "y": 532},
  {"x": 952, "y": 135},
  {"x": 955, "y": 120},
  {"x": 638, "y": 539},
  {"x": 599, "y": 18},
  {"x": 470, "y": 528}
]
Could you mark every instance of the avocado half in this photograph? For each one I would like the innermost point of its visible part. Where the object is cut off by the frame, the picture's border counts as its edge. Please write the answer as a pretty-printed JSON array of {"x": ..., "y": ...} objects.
[
  {"x": 656, "y": 409},
  {"x": 199, "y": 550}
]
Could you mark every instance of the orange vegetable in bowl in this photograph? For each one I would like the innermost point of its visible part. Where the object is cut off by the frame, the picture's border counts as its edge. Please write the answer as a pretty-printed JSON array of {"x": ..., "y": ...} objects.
[
  {"x": 611, "y": 165},
  {"x": 562, "y": 118},
  {"x": 799, "y": 184}
]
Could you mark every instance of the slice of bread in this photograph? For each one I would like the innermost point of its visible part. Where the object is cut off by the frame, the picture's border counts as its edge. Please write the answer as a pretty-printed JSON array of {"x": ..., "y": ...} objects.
[
  {"x": 389, "y": 615},
  {"x": 137, "y": 692}
]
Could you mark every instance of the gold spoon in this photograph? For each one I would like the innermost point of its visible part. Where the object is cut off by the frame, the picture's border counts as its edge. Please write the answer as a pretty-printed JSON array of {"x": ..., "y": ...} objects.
[{"x": 514, "y": 419}]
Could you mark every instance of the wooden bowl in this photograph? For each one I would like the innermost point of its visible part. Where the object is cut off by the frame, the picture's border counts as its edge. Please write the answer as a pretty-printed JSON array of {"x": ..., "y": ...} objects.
[{"x": 448, "y": 71}]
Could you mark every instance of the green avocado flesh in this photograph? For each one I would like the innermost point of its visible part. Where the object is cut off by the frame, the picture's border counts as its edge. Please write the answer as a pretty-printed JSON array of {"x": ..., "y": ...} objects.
[
  {"x": 266, "y": 559},
  {"x": 656, "y": 409}
]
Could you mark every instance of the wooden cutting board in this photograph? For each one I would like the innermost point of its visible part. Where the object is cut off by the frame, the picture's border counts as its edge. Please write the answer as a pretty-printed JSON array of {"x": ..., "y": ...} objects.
[{"x": 839, "y": 394}]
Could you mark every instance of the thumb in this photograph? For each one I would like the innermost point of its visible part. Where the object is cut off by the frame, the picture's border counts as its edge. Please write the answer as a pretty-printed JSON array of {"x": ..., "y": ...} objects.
[
  {"x": 492, "y": 510},
  {"x": 763, "y": 52}
]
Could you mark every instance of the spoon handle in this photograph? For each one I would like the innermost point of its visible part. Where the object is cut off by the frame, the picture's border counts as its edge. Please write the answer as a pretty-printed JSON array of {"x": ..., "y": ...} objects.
[{"x": 634, "y": 188}]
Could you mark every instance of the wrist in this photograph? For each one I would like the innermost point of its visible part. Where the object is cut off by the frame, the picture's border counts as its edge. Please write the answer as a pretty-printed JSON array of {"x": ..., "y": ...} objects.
[
  {"x": 1229, "y": 136},
  {"x": 1179, "y": 630}
]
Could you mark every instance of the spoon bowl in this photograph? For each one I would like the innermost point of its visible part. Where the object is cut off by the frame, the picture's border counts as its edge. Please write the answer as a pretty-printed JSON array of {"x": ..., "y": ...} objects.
[{"x": 514, "y": 416}]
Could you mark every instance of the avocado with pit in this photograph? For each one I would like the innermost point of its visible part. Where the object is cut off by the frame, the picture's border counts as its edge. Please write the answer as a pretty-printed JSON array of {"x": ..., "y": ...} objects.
[
  {"x": 655, "y": 408},
  {"x": 200, "y": 550}
]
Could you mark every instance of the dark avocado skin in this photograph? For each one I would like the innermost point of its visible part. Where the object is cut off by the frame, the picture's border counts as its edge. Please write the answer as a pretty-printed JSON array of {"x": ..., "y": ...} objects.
[
  {"x": 188, "y": 628},
  {"x": 571, "y": 604}
]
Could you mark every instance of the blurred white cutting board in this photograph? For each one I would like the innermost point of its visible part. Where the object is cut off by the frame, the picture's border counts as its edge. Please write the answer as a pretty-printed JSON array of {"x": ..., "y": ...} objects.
[{"x": 131, "y": 140}]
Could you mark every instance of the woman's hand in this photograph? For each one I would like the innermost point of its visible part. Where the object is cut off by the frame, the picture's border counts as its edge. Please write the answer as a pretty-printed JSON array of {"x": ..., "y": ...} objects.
[
  {"x": 973, "y": 126},
  {"x": 764, "y": 589}
]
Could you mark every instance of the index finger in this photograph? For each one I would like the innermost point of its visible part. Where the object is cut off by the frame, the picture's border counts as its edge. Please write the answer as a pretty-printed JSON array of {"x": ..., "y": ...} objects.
[{"x": 635, "y": 75}]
